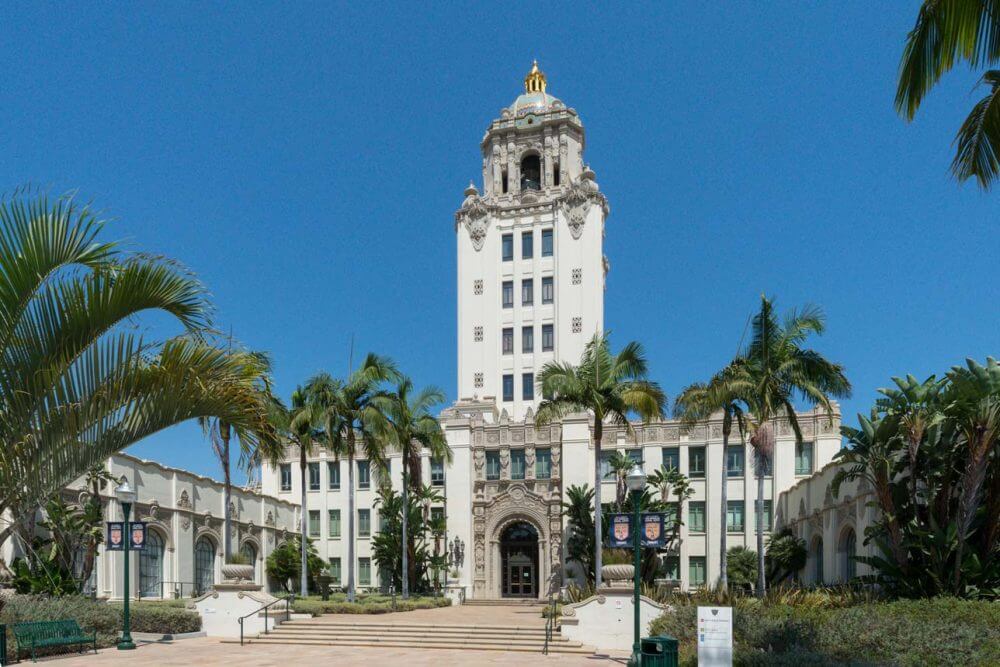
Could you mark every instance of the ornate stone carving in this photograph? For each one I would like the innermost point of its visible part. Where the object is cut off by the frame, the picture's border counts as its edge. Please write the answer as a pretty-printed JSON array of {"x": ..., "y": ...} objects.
[
  {"x": 479, "y": 459},
  {"x": 716, "y": 431},
  {"x": 269, "y": 521},
  {"x": 578, "y": 199},
  {"x": 671, "y": 434},
  {"x": 493, "y": 437},
  {"x": 184, "y": 502},
  {"x": 186, "y": 522},
  {"x": 475, "y": 215}
]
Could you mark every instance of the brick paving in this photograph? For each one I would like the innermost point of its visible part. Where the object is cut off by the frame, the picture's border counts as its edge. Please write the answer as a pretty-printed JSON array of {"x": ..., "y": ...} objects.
[{"x": 210, "y": 652}]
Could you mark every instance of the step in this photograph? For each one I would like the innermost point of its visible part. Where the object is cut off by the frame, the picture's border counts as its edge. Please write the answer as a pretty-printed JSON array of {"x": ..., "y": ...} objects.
[
  {"x": 504, "y": 602},
  {"x": 554, "y": 647},
  {"x": 424, "y": 627},
  {"x": 372, "y": 639},
  {"x": 343, "y": 632}
]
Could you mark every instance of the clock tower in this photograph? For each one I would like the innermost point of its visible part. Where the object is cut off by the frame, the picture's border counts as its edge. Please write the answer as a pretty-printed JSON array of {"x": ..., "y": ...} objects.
[{"x": 531, "y": 268}]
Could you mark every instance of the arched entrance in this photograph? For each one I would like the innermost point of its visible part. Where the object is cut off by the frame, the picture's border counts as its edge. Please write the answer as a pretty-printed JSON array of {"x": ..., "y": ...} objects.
[
  {"x": 151, "y": 566},
  {"x": 519, "y": 561}
]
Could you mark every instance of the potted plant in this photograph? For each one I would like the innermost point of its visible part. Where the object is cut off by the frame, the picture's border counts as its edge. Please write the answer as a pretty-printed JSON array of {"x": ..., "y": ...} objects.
[{"x": 618, "y": 568}]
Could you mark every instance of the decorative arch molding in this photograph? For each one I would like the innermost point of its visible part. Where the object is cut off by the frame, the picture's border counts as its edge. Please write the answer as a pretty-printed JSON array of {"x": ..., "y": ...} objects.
[
  {"x": 515, "y": 504},
  {"x": 163, "y": 529},
  {"x": 211, "y": 534}
]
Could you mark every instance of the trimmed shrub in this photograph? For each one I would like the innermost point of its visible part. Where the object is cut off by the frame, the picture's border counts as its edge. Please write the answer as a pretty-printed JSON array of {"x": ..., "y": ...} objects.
[
  {"x": 940, "y": 631},
  {"x": 104, "y": 617},
  {"x": 369, "y": 604}
]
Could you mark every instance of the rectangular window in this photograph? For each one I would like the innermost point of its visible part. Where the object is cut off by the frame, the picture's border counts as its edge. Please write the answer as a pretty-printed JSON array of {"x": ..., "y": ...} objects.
[
  {"x": 606, "y": 473},
  {"x": 314, "y": 476},
  {"x": 527, "y": 292},
  {"x": 508, "y": 294},
  {"x": 492, "y": 465},
  {"x": 517, "y": 464},
  {"x": 528, "y": 386},
  {"x": 734, "y": 516},
  {"x": 333, "y": 473},
  {"x": 670, "y": 517},
  {"x": 313, "y": 523},
  {"x": 508, "y": 387},
  {"x": 804, "y": 459},
  {"x": 696, "y": 461},
  {"x": 696, "y": 516},
  {"x": 334, "y": 521},
  {"x": 548, "y": 290},
  {"x": 437, "y": 472},
  {"x": 546, "y": 243},
  {"x": 696, "y": 571},
  {"x": 364, "y": 571},
  {"x": 543, "y": 464},
  {"x": 507, "y": 341},
  {"x": 672, "y": 568},
  {"x": 286, "y": 476},
  {"x": 672, "y": 458},
  {"x": 527, "y": 339},
  {"x": 527, "y": 245},
  {"x": 548, "y": 338},
  {"x": 508, "y": 247},
  {"x": 335, "y": 571},
  {"x": 734, "y": 461},
  {"x": 364, "y": 523},
  {"x": 364, "y": 475},
  {"x": 635, "y": 455},
  {"x": 765, "y": 510}
]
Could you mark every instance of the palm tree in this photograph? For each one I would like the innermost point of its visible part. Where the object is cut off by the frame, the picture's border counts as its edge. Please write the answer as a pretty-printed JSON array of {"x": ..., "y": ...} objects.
[
  {"x": 948, "y": 32},
  {"x": 403, "y": 421},
  {"x": 697, "y": 403},
  {"x": 77, "y": 382},
  {"x": 773, "y": 369},
  {"x": 257, "y": 365},
  {"x": 609, "y": 387},
  {"x": 670, "y": 481},
  {"x": 301, "y": 423},
  {"x": 346, "y": 410},
  {"x": 621, "y": 465}
]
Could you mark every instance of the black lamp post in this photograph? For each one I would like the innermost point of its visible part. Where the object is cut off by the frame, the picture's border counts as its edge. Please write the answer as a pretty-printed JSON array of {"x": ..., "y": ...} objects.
[
  {"x": 636, "y": 481},
  {"x": 126, "y": 496}
]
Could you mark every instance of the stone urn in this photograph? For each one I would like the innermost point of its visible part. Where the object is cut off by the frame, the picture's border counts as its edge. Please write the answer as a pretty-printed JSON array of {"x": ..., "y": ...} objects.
[
  {"x": 618, "y": 574},
  {"x": 237, "y": 572}
]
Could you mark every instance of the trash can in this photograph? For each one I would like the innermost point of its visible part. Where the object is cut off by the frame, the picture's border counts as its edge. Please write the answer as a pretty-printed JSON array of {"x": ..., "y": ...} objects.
[{"x": 659, "y": 651}]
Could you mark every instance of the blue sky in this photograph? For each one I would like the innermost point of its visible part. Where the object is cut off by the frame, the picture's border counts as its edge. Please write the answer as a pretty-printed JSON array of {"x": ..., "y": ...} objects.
[{"x": 305, "y": 160}]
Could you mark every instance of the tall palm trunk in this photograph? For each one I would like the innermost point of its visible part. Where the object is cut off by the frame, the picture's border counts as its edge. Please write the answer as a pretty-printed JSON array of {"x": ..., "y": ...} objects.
[
  {"x": 225, "y": 433},
  {"x": 303, "y": 563},
  {"x": 350, "y": 516},
  {"x": 406, "y": 512},
  {"x": 598, "y": 533},
  {"x": 761, "y": 583},
  {"x": 723, "y": 556}
]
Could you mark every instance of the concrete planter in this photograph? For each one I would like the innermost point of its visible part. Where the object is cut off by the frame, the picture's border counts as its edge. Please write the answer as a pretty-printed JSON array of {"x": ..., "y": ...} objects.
[
  {"x": 615, "y": 574},
  {"x": 234, "y": 572}
]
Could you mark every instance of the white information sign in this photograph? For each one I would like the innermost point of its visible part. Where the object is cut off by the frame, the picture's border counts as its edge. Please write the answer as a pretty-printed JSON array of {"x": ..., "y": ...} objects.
[{"x": 715, "y": 636}]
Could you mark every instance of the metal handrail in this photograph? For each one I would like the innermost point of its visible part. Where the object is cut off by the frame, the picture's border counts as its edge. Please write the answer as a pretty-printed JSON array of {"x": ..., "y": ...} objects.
[
  {"x": 289, "y": 599},
  {"x": 550, "y": 624}
]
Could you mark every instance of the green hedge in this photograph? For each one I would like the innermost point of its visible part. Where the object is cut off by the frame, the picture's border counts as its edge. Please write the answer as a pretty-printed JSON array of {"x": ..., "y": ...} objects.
[
  {"x": 942, "y": 631},
  {"x": 366, "y": 604},
  {"x": 104, "y": 617}
]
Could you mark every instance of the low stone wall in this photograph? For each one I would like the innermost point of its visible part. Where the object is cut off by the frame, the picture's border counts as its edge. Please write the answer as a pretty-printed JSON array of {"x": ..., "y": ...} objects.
[{"x": 606, "y": 620}]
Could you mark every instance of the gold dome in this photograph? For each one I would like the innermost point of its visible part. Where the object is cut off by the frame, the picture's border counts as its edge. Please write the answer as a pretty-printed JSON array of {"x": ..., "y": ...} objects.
[{"x": 535, "y": 81}]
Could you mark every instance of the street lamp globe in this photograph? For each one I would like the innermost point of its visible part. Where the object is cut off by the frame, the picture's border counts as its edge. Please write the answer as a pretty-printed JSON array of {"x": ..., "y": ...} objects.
[
  {"x": 636, "y": 479},
  {"x": 124, "y": 492}
]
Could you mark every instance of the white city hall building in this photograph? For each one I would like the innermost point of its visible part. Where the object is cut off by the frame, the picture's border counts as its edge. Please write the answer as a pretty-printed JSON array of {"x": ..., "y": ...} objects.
[{"x": 531, "y": 273}]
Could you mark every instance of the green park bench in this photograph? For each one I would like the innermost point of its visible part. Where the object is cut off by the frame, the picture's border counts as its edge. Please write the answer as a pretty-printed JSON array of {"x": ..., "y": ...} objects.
[{"x": 43, "y": 634}]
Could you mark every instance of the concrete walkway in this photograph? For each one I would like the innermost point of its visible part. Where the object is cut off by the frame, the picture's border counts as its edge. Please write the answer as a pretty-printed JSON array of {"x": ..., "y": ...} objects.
[{"x": 210, "y": 652}]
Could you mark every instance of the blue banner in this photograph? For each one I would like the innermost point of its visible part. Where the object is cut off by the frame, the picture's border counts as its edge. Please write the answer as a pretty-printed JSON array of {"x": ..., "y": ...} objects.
[
  {"x": 137, "y": 536},
  {"x": 620, "y": 530},
  {"x": 116, "y": 536},
  {"x": 653, "y": 533}
]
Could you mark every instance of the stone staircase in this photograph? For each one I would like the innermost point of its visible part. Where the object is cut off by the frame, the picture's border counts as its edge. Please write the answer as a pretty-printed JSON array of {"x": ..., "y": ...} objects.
[
  {"x": 505, "y": 602},
  {"x": 368, "y": 631}
]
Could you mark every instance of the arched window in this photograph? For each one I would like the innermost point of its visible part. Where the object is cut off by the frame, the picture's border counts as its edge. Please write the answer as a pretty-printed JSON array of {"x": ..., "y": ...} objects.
[
  {"x": 848, "y": 547},
  {"x": 204, "y": 564},
  {"x": 818, "y": 558},
  {"x": 249, "y": 551},
  {"x": 531, "y": 173},
  {"x": 151, "y": 566}
]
